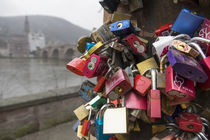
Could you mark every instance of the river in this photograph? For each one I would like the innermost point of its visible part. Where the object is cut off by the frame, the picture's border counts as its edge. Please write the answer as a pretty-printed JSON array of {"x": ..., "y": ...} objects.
[{"x": 20, "y": 77}]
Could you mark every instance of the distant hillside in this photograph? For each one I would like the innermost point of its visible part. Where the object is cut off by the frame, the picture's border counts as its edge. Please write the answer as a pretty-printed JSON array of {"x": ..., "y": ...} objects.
[{"x": 54, "y": 28}]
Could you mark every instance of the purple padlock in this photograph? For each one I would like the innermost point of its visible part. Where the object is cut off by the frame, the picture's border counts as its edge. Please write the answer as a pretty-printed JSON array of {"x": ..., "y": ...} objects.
[{"x": 186, "y": 66}]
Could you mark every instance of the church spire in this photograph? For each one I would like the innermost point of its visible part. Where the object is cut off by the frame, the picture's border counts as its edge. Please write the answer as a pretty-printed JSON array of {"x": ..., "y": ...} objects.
[{"x": 26, "y": 26}]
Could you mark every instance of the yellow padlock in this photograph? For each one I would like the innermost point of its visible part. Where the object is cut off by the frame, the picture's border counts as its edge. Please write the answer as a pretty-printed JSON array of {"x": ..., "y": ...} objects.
[
  {"x": 137, "y": 127},
  {"x": 81, "y": 112},
  {"x": 94, "y": 49},
  {"x": 158, "y": 128},
  {"x": 117, "y": 16},
  {"x": 82, "y": 43},
  {"x": 146, "y": 65},
  {"x": 166, "y": 108}
]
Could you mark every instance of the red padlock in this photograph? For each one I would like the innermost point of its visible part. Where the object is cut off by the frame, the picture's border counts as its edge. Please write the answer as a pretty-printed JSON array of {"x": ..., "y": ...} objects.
[
  {"x": 95, "y": 66},
  {"x": 180, "y": 88},
  {"x": 76, "y": 66},
  {"x": 113, "y": 138},
  {"x": 135, "y": 101},
  {"x": 86, "y": 125},
  {"x": 142, "y": 84},
  {"x": 153, "y": 98},
  {"x": 117, "y": 85},
  {"x": 135, "y": 44},
  {"x": 189, "y": 122},
  {"x": 164, "y": 30}
]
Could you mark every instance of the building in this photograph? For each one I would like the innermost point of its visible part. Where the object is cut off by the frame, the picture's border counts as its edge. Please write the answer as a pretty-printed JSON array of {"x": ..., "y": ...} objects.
[{"x": 36, "y": 41}]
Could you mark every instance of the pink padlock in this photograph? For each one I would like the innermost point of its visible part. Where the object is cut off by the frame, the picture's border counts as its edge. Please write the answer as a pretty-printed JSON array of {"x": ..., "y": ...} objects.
[
  {"x": 135, "y": 101},
  {"x": 180, "y": 88},
  {"x": 117, "y": 85},
  {"x": 95, "y": 66}
]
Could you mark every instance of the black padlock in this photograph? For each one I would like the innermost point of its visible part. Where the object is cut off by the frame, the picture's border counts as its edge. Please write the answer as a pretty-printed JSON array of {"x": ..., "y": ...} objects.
[{"x": 109, "y": 5}]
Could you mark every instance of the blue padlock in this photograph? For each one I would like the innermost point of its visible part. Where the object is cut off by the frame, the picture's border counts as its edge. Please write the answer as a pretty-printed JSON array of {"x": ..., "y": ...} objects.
[
  {"x": 122, "y": 28},
  {"x": 86, "y": 90},
  {"x": 99, "y": 125},
  {"x": 75, "y": 126},
  {"x": 88, "y": 46},
  {"x": 187, "y": 22}
]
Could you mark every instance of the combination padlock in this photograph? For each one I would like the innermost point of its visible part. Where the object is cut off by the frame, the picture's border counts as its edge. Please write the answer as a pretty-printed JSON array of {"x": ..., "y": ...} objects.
[
  {"x": 117, "y": 85},
  {"x": 122, "y": 28},
  {"x": 180, "y": 88},
  {"x": 186, "y": 66},
  {"x": 86, "y": 90},
  {"x": 95, "y": 66},
  {"x": 192, "y": 22},
  {"x": 135, "y": 44},
  {"x": 109, "y": 5},
  {"x": 153, "y": 98},
  {"x": 164, "y": 30},
  {"x": 135, "y": 101}
]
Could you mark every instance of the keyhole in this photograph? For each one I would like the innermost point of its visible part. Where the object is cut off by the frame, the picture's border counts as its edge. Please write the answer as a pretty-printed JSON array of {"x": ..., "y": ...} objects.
[
  {"x": 119, "y": 25},
  {"x": 190, "y": 126}
]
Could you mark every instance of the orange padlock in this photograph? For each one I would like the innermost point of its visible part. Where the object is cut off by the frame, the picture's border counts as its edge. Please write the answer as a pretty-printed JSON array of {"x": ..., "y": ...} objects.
[{"x": 76, "y": 66}]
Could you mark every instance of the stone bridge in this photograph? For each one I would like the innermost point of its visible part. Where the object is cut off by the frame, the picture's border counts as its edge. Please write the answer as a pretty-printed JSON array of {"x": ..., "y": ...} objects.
[{"x": 67, "y": 51}]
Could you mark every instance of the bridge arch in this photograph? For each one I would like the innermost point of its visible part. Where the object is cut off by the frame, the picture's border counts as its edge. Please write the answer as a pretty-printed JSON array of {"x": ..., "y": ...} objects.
[
  {"x": 68, "y": 55},
  {"x": 45, "y": 54},
  {"x": 55, "y": 54}
]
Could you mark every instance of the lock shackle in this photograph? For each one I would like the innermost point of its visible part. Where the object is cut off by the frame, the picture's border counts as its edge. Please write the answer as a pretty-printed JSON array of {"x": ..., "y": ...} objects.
[
  {"x": 186, "y": 36},
  {"x": 154, "y": 78},
  {"x": 90, "y": 113},
  {"x": 199, "y": 136},
  {"x": 202, "y": 135},
  {"x": 200, "y": 39},
  {"x": 198, "y": 48},
  {"x": 99, "y": 114},
  {"x": 162, "y": 61}
]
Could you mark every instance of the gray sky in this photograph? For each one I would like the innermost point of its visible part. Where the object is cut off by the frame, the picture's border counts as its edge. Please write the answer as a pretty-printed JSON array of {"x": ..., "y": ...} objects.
[{"x": 85, "y": 13}]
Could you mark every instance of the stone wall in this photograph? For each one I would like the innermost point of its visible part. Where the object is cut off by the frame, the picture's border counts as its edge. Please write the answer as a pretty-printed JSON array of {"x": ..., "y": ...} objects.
[{"x": 23, "y": 115}]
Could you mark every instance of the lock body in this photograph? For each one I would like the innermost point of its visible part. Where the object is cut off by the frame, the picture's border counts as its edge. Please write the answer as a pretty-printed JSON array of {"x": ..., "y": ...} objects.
[
  {"x": 192, "y": 22},
  {"x": 142, "y": 84},
  {"x": 165, "y": 135},
  {"x": 88, "y": 46},
  {"x": 146, "y": 65},
  {"x": 76, "y": 66},
  {"x": 86, "y": 90},
  {"x": 117, "y": 16},
  {"x": 154, "y": 104},
  {"x": 180, "y": 88},
  {"x": 109, "y": 5},
  {"x": 189, "y": 122},
  {"x": 100, "y": 84},
  {"x": 81, "y": 45},
  {"x": 122, "y": 28},
  {"x": 75, "y": 126},
  {"x": 186, "y": 66},
  {"x": 164, "y": 30},
  {"x": 161, "y": 80},
  {"x": 97, "y": 102},
  {"x": 135, "y": 101},
  {"x": 117, "y": 85},
  {"x": 95, "y": 66},
  {"x": 135, "y": 44},
  {"x": 81, "y": 112},
  {"x": 85, "y": 127}
]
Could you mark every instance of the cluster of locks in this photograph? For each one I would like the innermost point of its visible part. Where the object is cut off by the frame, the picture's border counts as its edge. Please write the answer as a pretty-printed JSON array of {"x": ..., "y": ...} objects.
[{"x": 134, "y": 84}]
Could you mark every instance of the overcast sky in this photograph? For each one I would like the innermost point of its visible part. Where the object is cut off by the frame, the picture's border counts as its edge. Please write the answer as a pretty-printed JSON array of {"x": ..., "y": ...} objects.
[{"x": 85, "y": 13}]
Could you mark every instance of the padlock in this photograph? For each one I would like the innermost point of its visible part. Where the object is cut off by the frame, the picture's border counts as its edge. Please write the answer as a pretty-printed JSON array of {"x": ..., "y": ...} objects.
[
  {"x": 81, "y": 112},
  {"x": 102, "y": 34},
  {"x": 86, "y": 125},
  {"x": 109, "y": 5},
  {"x": 164, "y": 30},
  {"x": 158, "y": 128},
  {"x": 168, "y": 134},
  {"x": 75, "y": 126},
  {"x": 186, "y": 66},
  {"x": 153, "y": 98},
  {"x": 166, "y": 108},
  {"x": 135, "y": 44},
  {"x": 99, "y": 124},
  {"x": 137, "y": 127},
  {"x": 113, "y": 138},
  {"x": 81, "y": 45},
  {"x": 136, "y": 113},
  {"x": 97, "y": 47},
  {"x": 97, "y": 102},
  {"x": 88, "y": 46},
  {"x": 117, "y": 16},
  {"x": 117, "y": 85},
  {"x": 190, "y": 122},
  {"x": 185, "y": 48},
  {"x": 180, "y": 88},
  {"x": 135, "y": 5},
  {"x": 128, "y": 71},
  {"x": 79, "y": 134},
  {"x": 86, "y": 90},
  {"x": 96, "y": 65},
  {"x": 135, "y": 101},
  {"x": 146, "y": 65},
  {"x": 115, "y": 120},
  {"x": 165, "y": 41},
  {"x": 192, "y": 22},
  {"x": 122, "y": 28},
  {"x": 142, "y": 84},
  {"x": 76, "y": 66},
  {"x": 161, "y": 76}
]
